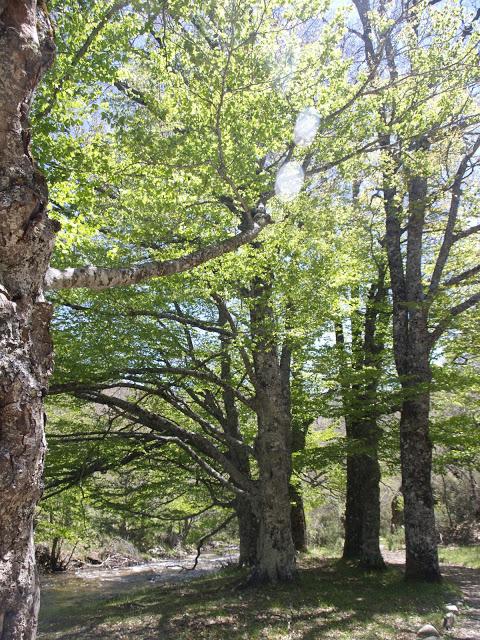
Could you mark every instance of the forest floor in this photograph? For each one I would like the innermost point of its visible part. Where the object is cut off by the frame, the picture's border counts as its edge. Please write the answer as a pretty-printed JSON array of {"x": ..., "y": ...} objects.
[
  {"x": 460, "y": 568},
  {"x": 329, "y": 600}
]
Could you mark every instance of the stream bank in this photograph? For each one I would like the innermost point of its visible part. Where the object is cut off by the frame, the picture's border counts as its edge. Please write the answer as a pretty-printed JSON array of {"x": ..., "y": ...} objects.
[{"x": 64, "y": 593}]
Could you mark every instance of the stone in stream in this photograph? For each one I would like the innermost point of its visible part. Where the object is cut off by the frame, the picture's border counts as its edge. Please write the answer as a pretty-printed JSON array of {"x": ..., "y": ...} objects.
[
  {"x": 451, "y": 608},
  {"x": 449, "y": 621},
  {"x": 427, "y": 631}
]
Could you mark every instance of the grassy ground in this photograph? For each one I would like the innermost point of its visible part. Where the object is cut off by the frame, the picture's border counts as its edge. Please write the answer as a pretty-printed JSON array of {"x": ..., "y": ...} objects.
[
  {"x": 329, "y": 600},
  {"x": 462, "y": 556}
]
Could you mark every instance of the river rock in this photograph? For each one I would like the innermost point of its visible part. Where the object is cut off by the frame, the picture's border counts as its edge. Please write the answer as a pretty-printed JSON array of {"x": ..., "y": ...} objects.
[
  {"x": 449, "y": 620},
  {"x": 452, "y": 608},
  {"x": 427, "y": 631}
]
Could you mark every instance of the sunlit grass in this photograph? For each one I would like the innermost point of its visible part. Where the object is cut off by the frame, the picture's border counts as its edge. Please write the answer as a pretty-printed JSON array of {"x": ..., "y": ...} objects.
[
  {"x": 463, "y": 556},
  {"x": 329, "y": 599}
]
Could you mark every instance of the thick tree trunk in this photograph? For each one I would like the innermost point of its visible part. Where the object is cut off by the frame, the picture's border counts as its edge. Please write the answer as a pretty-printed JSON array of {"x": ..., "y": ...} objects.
[
  {"x": 26, "y": 241},
  {"x": 416, "y": 454},
  {"x": 362, "y": 512},
  {"x": 276, "y": 552},
  {"x": 412, "y": 355}
]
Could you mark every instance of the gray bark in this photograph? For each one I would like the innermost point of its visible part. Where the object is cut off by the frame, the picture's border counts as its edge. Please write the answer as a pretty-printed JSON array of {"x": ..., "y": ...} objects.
[
  {"x": 276, "y": 552},
  {"x": 26, "y": 241},
  {"x": 93, "y": 277},
  {"x": 421, "y": 537}
]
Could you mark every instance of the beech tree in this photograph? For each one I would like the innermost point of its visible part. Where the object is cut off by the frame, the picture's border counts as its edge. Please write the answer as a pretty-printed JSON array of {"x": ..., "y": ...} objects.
[
  {"x": 229, "y": 63},
  {"x": 362, "y": 409},
  {"x": 27, "y": 237},
  {"x": 354, "y": 370},
  {"x": 428, "y": 132},
  {"x": 228, "y": 390},
  {"x": 27, "y": 49},
  {"x": 26, "y": 240}
]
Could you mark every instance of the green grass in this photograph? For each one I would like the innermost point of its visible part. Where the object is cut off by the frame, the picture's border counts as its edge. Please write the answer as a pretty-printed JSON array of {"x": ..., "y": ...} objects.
[
  {"x": 329, "y": 600},
  {"x": 462, "y": 556}
]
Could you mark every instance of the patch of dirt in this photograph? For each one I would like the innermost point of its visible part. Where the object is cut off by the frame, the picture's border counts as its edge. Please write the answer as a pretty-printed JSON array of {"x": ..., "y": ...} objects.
[{"x": 467, "y": 623}]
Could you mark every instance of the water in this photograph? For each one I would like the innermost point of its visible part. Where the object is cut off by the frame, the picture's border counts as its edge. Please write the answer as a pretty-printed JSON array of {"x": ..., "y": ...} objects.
[{"x": 63, "y": 594}]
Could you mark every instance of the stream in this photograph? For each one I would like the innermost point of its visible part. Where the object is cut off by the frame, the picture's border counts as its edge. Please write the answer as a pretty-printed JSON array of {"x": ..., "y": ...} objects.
[{"x": 63, "y": 593}]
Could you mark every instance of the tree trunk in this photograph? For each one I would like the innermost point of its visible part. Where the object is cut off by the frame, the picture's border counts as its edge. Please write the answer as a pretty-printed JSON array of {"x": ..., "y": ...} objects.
[
  {"x": 297, "y": 515},
  {"x": 416, "y": 455},
  {"x": 248, "y": 531},
  {"x": 362, "y": 513},
  {"x": 362, "y": 509},
  {"x": 353, "y": 510},
  {"x": 299, "y": 436},
  {"x": 275, "y": 553},
  {"x": 26, "y": 241}
]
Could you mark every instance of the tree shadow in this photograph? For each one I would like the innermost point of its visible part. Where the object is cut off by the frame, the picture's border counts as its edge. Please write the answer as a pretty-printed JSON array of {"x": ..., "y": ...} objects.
[{"x": 327, "y": 597}]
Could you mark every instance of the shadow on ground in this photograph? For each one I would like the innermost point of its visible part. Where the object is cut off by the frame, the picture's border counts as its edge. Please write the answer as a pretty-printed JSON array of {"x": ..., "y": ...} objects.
[{"x": 329, "y": 600}]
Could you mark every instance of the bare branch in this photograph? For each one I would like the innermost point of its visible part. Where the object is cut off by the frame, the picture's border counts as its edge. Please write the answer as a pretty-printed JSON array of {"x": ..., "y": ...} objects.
[{"x": 208, "y": 535}]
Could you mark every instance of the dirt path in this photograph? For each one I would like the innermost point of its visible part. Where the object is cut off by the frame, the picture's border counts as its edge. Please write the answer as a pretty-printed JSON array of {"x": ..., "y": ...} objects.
[{"x": 467, "y": 624}]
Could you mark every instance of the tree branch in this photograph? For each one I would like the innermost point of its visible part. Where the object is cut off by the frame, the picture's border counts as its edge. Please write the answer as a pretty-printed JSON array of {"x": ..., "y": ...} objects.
[
  {"x": 209, "y": 535},
  {"x": 449, "y": 236},
  {"x": 103, "y": 277},
  {"x": 184, "y": 438},
  {"x": 443, "y": 325},
  {"x": 461, "y": 277},
  {"x": 78, "y": 55},
  {"x": 466, "y": 232}
]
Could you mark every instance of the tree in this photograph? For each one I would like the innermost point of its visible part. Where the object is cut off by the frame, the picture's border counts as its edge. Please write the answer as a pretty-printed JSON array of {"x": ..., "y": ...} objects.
[
  {"x": 429, "y": 153},
  {"x": 249, "y": 136},
  {"x": 215, "y": 392},
  {"x": 361, "y": 407},
  {"x": 27, "y": 238}
]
